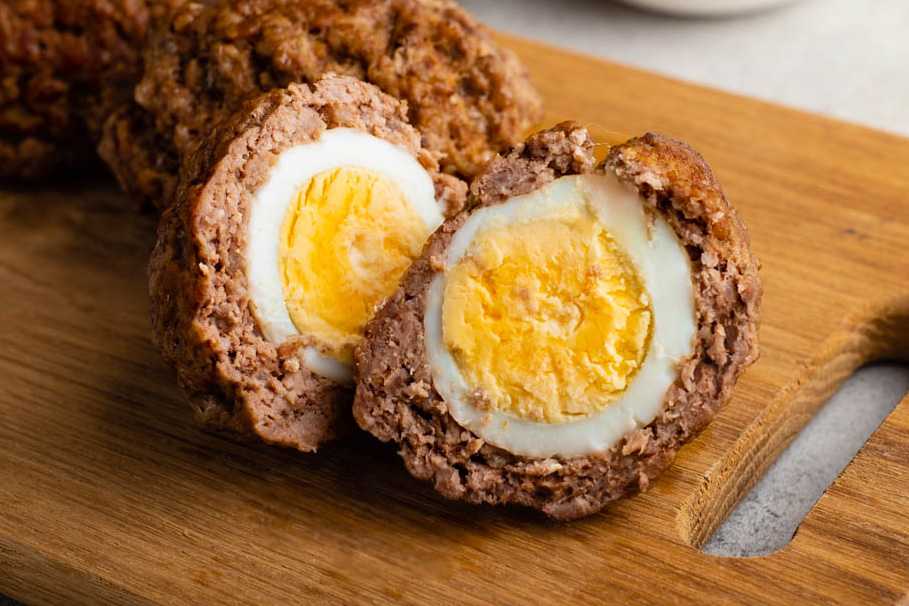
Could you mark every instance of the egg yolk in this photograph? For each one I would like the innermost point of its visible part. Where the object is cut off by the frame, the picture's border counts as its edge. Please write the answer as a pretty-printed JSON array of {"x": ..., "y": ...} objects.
[
  {"x": 347, "y": 238},
  {"x": 546, "y": 319}
]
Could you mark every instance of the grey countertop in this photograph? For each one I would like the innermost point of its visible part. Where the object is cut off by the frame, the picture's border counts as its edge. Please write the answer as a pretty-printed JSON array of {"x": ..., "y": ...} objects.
[{"x": 843, "y": 58}]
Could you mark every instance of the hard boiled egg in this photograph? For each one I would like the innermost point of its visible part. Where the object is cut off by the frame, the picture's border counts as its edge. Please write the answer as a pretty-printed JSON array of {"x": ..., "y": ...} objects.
[
  {"x": 560, "y": 318},
  {"x": 329, "y": 235}
]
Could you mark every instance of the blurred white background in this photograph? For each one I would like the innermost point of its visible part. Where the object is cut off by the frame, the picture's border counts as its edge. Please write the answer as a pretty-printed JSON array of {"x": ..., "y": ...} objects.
[{"x": 843, "y": 58}]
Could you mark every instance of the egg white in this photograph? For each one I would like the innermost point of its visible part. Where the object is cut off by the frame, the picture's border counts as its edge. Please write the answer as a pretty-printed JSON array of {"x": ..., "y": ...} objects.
[
  {"x": 665, "y": 271},
  {"x": 336, "y": 148}
]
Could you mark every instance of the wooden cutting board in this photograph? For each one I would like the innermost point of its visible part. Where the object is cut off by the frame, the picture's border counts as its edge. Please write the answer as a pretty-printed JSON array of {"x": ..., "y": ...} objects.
[{"x": 109, "y": 493}]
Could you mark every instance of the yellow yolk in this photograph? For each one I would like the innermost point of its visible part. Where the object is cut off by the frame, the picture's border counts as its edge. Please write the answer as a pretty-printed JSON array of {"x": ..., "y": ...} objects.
[
  {"x": 546, "y": 319},
  {"x": 347, "y": 238}
]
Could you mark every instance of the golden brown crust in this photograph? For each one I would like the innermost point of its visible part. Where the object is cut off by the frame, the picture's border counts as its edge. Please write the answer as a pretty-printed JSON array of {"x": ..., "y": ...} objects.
[
  {"x": 396, "y": 400},
  {"x": 201, "y": 314},
  {"x": 468, "y": 97},
  {"x": 57, "y": 58}
]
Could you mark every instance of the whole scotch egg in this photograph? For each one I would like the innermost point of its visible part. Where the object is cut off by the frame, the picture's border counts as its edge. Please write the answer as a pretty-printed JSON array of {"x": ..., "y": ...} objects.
[
  {"x": 290, "y": 227},
  {"x": 468, "y": 97},
  {"x": 558, "y": 342},
  {"x": 63, "y": 65}
]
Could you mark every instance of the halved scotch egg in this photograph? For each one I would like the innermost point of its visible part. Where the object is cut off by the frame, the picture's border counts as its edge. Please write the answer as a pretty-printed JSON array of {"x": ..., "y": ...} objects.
[
  {"x": 558, "y": 342},
  {"x": 289, "y": 229}
]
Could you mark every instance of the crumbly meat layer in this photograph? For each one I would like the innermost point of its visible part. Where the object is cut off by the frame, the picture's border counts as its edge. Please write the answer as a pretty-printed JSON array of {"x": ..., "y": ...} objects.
[
  {"x": 396, "y": 401},
  {"x": 62, "y": 60},
  {"x": 468, "y": 97},
  {"x": 201, "y": 315}
]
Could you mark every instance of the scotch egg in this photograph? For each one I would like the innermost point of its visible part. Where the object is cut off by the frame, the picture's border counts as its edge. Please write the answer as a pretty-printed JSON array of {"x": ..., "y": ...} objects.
[
  {"x": 292, "y": 226},
  {"x": 560, "y": 318},
  {"x": 65, "y": 66},
  {"x": 468, "y": 97},
  {"x": 561, "y": 339}
]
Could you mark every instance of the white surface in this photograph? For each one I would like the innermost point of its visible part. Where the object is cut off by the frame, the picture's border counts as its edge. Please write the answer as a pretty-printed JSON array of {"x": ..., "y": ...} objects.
[
  {"x": 706, "y": 7},
  {"x": 843, "y": 58},
  {"x": 662, "y": 265}
]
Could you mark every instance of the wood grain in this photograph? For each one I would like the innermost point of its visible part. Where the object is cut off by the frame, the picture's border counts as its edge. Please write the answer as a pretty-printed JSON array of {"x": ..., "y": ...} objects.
[{"x": 109, "y": 494}]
